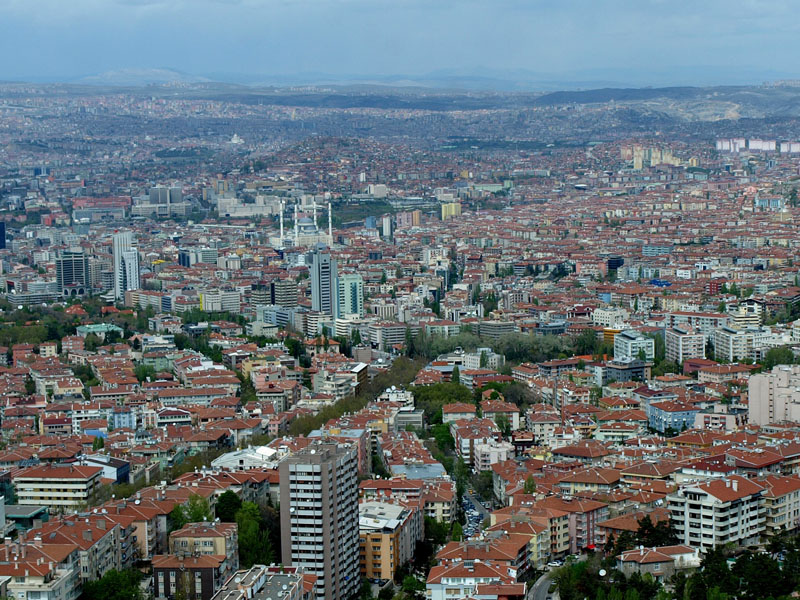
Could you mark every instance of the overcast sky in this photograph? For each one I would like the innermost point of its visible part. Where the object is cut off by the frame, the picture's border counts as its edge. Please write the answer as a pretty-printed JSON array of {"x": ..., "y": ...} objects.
[{"x": 668, "y": 39}]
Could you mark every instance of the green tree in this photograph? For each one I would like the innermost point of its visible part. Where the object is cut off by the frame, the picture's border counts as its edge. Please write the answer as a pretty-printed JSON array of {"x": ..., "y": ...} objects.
[
  {"x": 458, "y": 532},
  {"x": 456, "y": 377},
  {"x": 530, "y": 485},
  {"x": 144, "y": 372},
  {"x": 227, "y": 505},
  {"x": 115, "y": 585},
  {"x": 503, "y": 424},
  {"x": 98, "y": 443},
  {"x": 255, "y": 546},
  {"x": 782, "y": 355},
  {"x": 198, "y": 509}
]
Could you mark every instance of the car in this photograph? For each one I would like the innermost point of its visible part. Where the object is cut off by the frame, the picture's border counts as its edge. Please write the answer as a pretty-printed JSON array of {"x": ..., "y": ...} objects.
[{"x": 554, "y": 563}]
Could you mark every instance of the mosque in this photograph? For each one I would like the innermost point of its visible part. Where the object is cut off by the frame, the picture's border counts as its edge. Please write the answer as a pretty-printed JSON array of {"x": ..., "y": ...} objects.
[{"x": 306, "y": 232}]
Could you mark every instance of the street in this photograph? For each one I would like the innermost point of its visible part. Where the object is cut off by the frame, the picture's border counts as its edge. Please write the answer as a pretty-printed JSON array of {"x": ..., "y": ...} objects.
[
  {"x": 477, "y": 504},
  {"x": 541, "y": 589}
]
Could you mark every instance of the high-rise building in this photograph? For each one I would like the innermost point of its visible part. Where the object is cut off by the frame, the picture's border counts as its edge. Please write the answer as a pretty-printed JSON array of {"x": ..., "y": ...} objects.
[
  {"x": 319, "y": 517},
  {"x": 349, "y": 295},
  {"x": 2, "y": 235},
  {"x": 165, "y": 195},
  {"x": 126, "y": 264},
  {"x": 323, "y": 282},
  {"x": 72, "y": 273}
]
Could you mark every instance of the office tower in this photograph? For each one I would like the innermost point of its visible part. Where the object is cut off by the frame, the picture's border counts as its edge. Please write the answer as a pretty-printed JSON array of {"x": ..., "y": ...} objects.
[
  {"x": 319, "y": 517},
  {"x": 283, "y": 292},
  {"x": 349, "y": 295},
  {"x": 72, "y": 273},
  {"x": 165, "y": 195},
  {"x": 126, "y": 264},
  {"x": 323, "y": 282},
  {"x": 2, "y": 235}
]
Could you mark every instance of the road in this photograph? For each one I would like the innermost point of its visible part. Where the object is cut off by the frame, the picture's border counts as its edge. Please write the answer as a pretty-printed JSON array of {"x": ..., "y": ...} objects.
[
  {"x": 478, "y": 506},
  {"x": 541, "y": 589}
]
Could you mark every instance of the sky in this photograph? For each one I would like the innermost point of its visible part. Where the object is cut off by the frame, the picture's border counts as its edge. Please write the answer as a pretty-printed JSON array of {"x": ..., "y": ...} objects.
[{"x": 642, "y": 42}]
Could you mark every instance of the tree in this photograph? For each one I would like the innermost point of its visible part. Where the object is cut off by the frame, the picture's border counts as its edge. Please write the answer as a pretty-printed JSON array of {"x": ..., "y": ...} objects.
[
  {"x": 530, "y": 485},
  {"x": 654, "y": 535},
  {"x": 781, "y": 355},
  {"x": 98, "y": 443},
  {"x": 144, "y": 372},
  {"x": 456, "y": 377},
  {"x": 435, "y": 531},
  {"x": 255, "y": 546},
  {"x": 227, "y": 505},
  {"x": 115, "y": 585},
  {"x": 503, "y": 424},
  {"x": 198, "y": 509},
  {"x": 30, "y": 385},
  {"x": 458, "y": 532}
]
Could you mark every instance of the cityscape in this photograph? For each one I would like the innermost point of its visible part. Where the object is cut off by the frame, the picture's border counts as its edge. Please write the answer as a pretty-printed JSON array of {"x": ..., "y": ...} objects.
[{"x": 376, "y": 337}]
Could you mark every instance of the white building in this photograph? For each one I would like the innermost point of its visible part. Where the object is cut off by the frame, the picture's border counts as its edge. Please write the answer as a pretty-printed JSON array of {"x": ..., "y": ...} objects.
[
  {"x": 682, "y": 343},
  {"x": 628, "y": 344},
  {"x": 491, "y": 360},
  {"x": 126, "y": 264},
  {"x": 349, "y": 295},
  {"x": 612, "y": 317},
  {"x": 774, "y": 397},
  {"x": 718, "y": 512},
  {"x": 487, "y": 454}
]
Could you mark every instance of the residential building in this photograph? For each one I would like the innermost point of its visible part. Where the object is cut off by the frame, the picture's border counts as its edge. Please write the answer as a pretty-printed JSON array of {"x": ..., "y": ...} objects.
[
  {"x": 196, "y": 577},
  {"x": 388, "y": 536},
  {"x": 718, "y": 512},
  {"x": 774, "y": 397},
  {"x": 62, "y": 488},
  {"x": 319, "y": 517},
  {"x": 629, "y": 344},
  {"x": 682, "y": 343}
]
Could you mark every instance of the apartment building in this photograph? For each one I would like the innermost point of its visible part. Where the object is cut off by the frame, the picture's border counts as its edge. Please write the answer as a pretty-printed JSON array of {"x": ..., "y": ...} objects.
[
  {"x": 782, "y": 504},
  {"x": 195, "y": 577},
  {"x": 682, "y": 343},
  {"x": 629, "y": 344},
  {"x": 388, "y": 535},
  {"x": 319, "y": 517},
  {"x": 719, "y": 511},
  {"x": 61, "y": 488},
  {"x": 774, "y": 397},
  {"x": 201, "y": 539}
]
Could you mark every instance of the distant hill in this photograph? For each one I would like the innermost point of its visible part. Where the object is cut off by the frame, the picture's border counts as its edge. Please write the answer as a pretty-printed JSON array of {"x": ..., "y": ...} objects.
[{"x": 138, "y": 77}]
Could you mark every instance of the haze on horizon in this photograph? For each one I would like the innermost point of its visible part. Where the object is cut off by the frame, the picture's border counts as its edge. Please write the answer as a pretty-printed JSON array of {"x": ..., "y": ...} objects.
[{"x": 648, "y": 42}]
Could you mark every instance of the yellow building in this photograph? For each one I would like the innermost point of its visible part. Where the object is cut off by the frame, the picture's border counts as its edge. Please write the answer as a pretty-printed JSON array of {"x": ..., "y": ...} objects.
[
  {"x": 388, "y": 534},
  {"x": 451, "y": 210}
]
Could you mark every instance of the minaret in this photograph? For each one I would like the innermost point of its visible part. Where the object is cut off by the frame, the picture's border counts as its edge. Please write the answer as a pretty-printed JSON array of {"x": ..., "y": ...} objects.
[
  {"x": 330, "y": 224},
  {"x": 296, "y": 228},
  {"x": 314, "y": 208},
  {"x": 281, "y": 217}
]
